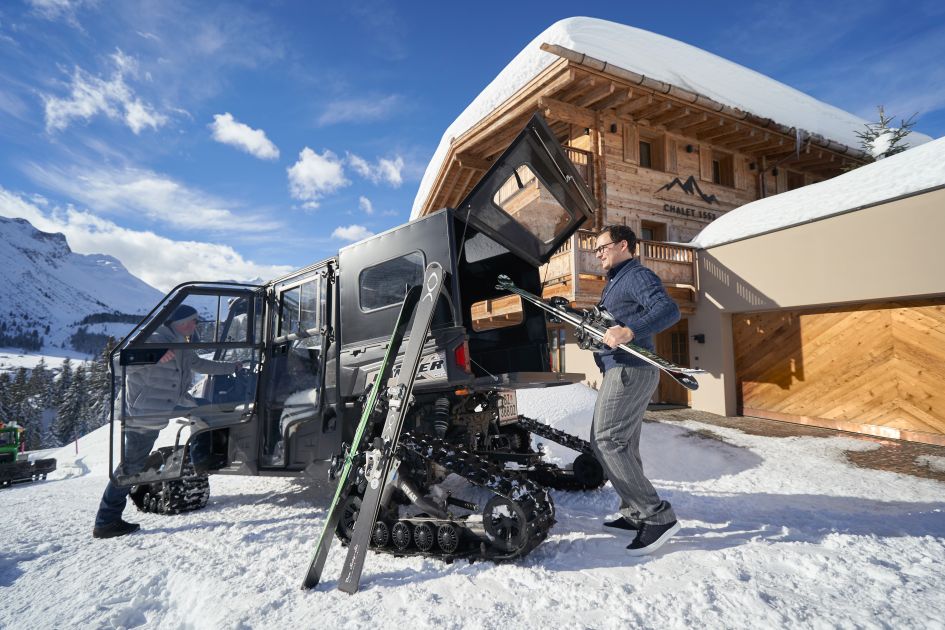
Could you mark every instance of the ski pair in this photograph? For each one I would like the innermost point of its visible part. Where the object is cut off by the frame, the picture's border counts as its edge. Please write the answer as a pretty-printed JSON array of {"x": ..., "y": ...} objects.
[
  {"x": 590, "y": 326},
  {"x": 421, "y": 303}
]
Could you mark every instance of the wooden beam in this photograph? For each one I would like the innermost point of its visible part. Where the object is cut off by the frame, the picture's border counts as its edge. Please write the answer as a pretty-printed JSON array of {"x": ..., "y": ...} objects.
[
  {"x": 750, "y": 140},
  {"x": 559, "y": 110},
  {"x": 635, "y": 104},
  {"x": 696, "y": 128},
  {"x": 654, "y": 110},
  {"x": 721, "y": 130},
  {"x": 687, "y": 121},
  {"x": 469, "y": 160},
  {"x": 595, "y": 95},
  {"x": 735, "y": 134},
  {"x": 763, "y": 145},
  {"x": 617, "y": 98},
  {"x": 670, "y": 116}
]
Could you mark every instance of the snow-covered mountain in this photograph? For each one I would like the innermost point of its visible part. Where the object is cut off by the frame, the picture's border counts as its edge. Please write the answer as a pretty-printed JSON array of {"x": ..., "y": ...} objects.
[{"x": 49, "y": 289}]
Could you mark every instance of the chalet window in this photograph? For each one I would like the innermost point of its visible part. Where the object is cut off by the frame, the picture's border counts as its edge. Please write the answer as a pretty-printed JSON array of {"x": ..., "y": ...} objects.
[
  {"x": 723, "y": 169},
  {"x": 650, "y": 231},
  {"x": 794, "y": 180},
  {"x": 651, "y": 151},
  {"x": 646, "y": 154},
  {"x": 679, "y": 348}
]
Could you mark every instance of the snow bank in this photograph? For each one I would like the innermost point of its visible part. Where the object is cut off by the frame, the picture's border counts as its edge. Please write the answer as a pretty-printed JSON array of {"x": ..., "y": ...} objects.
[
  {"x": 661, "y": 58},
  {"x": 917, "y": 169}
]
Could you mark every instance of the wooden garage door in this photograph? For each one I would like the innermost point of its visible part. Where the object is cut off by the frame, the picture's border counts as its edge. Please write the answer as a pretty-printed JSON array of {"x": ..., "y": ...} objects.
[{"x": 873, "y": 368}]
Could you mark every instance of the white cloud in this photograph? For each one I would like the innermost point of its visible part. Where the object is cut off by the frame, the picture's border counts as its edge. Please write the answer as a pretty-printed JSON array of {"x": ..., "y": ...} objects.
[
  {"x": 359, "y": 110},
  {"x": 155, "y": 196},
  {"x": 351, "y": 233},
  {"x": 385, "y": 170},
  {"x": 228, "y": 130},
  {"x": 54, "y": 9},
  {"x": 90, "y": 96},
  {"x": 316, "y": 175},
  {"x": 159, "y": 261},
  {"x": 365, "y": 204}
]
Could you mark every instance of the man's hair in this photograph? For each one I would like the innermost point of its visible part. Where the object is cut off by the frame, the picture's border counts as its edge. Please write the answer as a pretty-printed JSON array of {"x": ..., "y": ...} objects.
[{"x": 619, "y": 233}]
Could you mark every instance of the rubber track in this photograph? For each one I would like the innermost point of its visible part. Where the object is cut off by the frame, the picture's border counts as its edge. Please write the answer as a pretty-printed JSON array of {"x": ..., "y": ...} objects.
[
  {"x": 531, "y": 498},
  {"x": 550, "y": 474}
]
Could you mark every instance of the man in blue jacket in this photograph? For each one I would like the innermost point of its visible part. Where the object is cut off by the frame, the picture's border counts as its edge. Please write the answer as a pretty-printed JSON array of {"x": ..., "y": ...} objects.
[{"x": 635, "y": 296}]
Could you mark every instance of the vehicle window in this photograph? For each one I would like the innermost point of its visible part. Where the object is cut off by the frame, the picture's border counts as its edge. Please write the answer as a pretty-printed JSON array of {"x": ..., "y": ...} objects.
[
  {"x": 387, "y": 283},
  {"x": 300, "y": 307},
  {"x": 528, "y": 201}
]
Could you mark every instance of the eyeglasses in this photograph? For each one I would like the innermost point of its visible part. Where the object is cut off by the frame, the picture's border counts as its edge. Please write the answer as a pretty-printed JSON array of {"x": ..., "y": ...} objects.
[{"x": 600, "y": 250}]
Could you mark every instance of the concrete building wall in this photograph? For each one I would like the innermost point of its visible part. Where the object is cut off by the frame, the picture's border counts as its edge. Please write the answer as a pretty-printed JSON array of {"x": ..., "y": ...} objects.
[{"x": 887, "y": 251}]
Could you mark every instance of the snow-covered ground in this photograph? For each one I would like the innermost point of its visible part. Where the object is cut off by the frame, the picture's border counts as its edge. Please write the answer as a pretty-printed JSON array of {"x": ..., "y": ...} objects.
[
  {"x": 12, "y": 359},
  {"x": 777, "y": 532}
]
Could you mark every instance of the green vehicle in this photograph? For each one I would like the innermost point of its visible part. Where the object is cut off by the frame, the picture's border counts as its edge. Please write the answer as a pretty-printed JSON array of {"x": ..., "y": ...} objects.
[{"x": 15, "y": 466}]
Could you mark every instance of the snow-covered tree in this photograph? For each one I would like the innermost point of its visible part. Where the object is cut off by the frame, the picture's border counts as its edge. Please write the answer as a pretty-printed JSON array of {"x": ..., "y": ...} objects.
[
  {"x": 100, "y": 388},
  {"x": 881, "y": 140},
  {"x": 42, "y": 384},
  {"x": 72, "y": 411},
  {"x": 63, "y": 382}
]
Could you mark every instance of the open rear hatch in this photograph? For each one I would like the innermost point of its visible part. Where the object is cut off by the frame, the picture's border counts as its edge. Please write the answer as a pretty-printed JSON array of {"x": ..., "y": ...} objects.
[{"x": 534, "y": 170}]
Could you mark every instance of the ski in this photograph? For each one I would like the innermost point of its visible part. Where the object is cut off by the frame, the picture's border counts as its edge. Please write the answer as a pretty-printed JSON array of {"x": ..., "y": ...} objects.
[
  {"x": 590, "y": 326},
  {"x": 380, "y": 459},
  {"x": 317, "y": 564}
]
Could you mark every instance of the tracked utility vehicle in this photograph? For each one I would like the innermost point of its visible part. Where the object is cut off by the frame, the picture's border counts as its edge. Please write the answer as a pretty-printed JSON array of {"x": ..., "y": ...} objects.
[
  {"x": 15, "y": 465},
  {"x": 470, "y": 482}
]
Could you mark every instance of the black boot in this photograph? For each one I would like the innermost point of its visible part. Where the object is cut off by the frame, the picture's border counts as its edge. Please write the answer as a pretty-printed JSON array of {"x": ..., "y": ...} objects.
[{"x": 111, "y": 530}]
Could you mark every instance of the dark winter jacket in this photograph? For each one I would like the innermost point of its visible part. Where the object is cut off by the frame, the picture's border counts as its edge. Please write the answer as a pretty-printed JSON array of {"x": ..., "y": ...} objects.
[
  {"x": 635, "y": 296},
  {"x": 160, "y": 387}
]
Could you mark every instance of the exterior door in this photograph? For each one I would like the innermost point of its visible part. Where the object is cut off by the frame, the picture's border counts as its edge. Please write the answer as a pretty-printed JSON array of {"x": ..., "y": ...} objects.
[{"x": 673, "y": 343}]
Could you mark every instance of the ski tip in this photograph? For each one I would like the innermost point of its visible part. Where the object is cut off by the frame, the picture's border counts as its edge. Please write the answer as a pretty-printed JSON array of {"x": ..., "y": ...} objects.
[
  {"x": 686, "y": 381},
  {"x": 504, "y": 282}
]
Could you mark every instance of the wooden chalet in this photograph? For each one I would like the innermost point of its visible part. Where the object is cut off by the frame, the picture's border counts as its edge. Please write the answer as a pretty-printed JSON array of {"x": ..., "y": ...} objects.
[{"x": 662, "y": 159}]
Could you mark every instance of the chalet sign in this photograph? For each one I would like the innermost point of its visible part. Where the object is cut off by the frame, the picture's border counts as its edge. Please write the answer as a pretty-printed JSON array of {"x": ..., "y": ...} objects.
[{"x": 690, "y": 187}]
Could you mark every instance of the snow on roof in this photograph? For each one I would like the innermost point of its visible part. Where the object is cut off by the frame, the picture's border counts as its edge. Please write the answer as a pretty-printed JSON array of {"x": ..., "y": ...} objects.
[
  {"x": 661, "y": 58},
  {"x": 912, "y": 171}
]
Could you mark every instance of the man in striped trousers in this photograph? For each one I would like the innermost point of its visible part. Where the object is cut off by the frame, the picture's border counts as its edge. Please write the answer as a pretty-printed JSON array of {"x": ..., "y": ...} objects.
[{"x": 635, "y": 296}]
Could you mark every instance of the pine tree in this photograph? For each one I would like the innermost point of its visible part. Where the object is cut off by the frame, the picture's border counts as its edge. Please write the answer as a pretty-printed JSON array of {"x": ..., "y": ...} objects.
[
  {"x": 100, "y": 388},
  {"x": 42, "y": 384},
  {"x": 5, "y": 398},
  {"x": 880, "y": 140},
  {"x": 71, "y": 413},
  {"x": 31, "y": 419},
  {"x": 64, "y": 381}
]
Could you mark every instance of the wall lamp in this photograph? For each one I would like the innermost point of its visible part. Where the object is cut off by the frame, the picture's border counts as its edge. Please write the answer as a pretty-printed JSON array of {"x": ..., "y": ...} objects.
[{"x": 700, "y": 338}]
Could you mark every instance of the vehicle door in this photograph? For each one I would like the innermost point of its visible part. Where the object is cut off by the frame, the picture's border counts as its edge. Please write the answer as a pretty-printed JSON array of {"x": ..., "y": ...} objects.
[
  {"x": 294, "y": 377},
  {"x": 173, "y": 383},
  {"x": 532, "y": 199}
]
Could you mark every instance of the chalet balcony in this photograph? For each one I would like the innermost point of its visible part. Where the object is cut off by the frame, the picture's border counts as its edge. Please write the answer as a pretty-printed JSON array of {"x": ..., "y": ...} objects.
[{"x": 575, "y": 273}]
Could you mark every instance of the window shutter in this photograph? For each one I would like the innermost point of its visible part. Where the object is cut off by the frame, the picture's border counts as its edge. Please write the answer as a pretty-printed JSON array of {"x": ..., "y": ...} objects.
[
  {"x": 670, "y": 145},
  {"x": 705, "y": 162},
  {"x": 741, "y": 178},
  {"x": 631, "y": 143}
]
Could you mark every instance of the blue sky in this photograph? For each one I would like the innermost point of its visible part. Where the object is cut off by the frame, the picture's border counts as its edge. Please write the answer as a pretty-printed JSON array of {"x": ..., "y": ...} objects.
[{"x": 207, "y": 140}]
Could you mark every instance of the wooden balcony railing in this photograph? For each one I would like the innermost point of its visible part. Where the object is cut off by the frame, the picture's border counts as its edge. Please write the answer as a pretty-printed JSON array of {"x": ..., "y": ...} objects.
[
  {"x": 575, "y": 273},
  {"x": 583, "y": 161}
]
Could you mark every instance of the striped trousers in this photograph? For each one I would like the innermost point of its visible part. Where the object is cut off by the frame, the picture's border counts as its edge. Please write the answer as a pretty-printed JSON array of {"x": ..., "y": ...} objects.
[{"x": 615, "y": 437}]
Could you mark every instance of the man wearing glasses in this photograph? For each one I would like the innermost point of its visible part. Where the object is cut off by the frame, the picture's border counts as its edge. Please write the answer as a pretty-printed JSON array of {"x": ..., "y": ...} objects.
[{"x": 635, "y": 296}]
